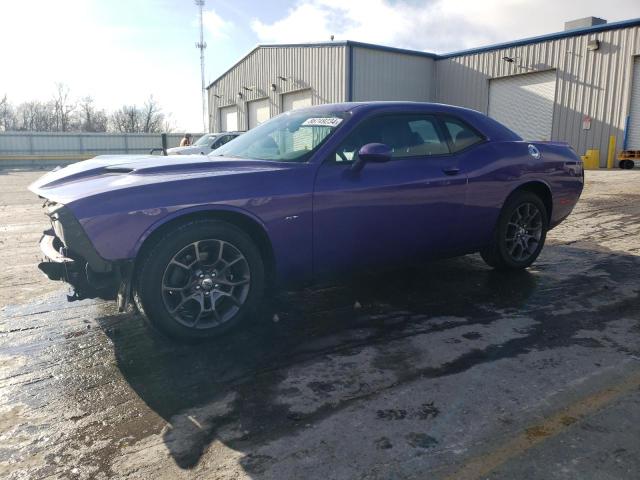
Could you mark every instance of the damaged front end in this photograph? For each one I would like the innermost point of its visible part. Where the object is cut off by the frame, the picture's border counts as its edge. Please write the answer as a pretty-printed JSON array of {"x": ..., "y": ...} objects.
[{"x": 71, "y": 257}]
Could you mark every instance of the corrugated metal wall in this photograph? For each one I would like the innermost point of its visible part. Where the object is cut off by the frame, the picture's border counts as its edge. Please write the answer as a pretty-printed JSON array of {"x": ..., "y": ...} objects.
[
  {"x": 633, "y": 132},
  {"x": 593, "y": 83},
  {"x": 319, "y": 68},
  {"x": 383, "y": 75},
  {"x": 36, "y": 143}
]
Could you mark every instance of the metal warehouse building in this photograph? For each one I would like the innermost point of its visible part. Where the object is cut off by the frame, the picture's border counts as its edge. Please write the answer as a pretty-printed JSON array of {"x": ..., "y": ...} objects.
[{"x": 581, "y": 85}]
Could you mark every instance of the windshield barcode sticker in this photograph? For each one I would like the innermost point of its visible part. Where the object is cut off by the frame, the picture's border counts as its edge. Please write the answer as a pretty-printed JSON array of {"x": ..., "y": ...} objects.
[{"x": 322, "y": 122}]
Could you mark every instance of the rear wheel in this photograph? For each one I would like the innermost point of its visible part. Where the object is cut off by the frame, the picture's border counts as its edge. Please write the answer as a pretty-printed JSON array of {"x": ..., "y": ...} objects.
[
  {"x": 520, "y": 233},
  {"x": 199, "y": 280}
]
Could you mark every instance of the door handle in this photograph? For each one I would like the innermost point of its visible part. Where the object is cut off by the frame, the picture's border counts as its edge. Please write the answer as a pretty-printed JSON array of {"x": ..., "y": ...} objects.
[{"x": 451, "y": 170}]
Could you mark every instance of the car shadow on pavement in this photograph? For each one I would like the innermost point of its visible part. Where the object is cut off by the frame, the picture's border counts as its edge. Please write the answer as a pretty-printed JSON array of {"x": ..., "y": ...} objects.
[{"x": 234, "y": 389}]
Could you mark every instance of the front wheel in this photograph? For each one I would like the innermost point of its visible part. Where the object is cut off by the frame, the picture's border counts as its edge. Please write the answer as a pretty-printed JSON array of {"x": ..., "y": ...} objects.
[
  {"x": 199, "y": 280},
  {"x": 520, "y": 233}
]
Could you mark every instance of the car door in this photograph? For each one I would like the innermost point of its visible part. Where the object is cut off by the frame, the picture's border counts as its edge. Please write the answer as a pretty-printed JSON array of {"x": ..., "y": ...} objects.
[
  {"x": 404, "y": 209},
  {"x": 474, "y": 156}
]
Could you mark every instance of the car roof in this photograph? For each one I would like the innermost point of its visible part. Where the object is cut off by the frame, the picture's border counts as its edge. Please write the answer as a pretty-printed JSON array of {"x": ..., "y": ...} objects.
[
  {"x": 395, "y": 105},
  {"x": 490, "y": 128}
]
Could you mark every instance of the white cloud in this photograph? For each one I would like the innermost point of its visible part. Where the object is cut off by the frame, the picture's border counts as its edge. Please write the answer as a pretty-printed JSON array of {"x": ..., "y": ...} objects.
[
  {"x": 436, "y": 25},
  {"x": 70, "y": 43},
  {"x": 216, "y": 26},
  {"x": 305, "y": 22}
]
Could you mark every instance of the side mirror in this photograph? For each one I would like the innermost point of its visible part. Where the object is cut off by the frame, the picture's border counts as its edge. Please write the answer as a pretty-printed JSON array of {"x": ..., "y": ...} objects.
[{"x": 372, "y": 152}]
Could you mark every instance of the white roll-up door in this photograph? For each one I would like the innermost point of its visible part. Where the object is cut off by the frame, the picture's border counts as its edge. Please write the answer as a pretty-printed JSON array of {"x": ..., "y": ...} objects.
[
  {"x": 258, "y": 112},
  {"x": 229, "y": 119},
  {"x": 633, "y": 134},
  {"x": 524, "y": 103},
  {"x": 295, "y": 100}
]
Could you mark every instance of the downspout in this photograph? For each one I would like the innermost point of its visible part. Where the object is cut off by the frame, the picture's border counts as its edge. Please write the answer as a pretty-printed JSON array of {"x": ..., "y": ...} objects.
[
  {"x": 435, "y": 88},
  {"x": 349, "y": 72},
  {"x": 625, "y": 138}
]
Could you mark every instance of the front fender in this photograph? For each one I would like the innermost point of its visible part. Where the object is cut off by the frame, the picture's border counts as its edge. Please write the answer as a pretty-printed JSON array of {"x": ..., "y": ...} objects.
[
  {"x": 119, "y": 236},
  {"x": 177, "y": 214}
]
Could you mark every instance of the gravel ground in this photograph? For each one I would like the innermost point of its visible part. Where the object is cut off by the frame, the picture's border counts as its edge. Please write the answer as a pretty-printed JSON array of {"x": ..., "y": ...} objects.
[{"x": 449, "y": 370}]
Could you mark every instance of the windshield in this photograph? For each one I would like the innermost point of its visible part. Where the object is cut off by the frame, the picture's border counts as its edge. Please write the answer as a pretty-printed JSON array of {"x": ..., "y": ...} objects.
[
  {"x": 204, "y": 140},
  {"x": 290, "y": 137}
]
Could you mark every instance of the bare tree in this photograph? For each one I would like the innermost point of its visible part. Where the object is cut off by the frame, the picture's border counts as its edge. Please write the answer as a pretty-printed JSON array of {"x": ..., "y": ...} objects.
[
  {"x": 131, "y": 119},
  {"x": 152, "y": 116},
  {"x": 35, "y": 116},
  {"x": 168, "y": 125},
  {"x": 7, "y": 115},
  {"x": 126, "y": 119},
  {"x": 63, "y": 108},
  {"x": 62, "y": 114},
  {"x": 89, "y": 119}
]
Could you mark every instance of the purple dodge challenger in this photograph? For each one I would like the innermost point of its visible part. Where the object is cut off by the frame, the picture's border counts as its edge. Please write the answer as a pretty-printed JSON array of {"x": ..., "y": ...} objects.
[{"x": 310, "y": 194}]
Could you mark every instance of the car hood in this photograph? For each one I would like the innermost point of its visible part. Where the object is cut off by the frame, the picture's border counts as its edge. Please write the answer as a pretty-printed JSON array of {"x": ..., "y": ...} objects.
[
  {"x": 185, "y": 150},
  {"x": 114, "y": 172}
]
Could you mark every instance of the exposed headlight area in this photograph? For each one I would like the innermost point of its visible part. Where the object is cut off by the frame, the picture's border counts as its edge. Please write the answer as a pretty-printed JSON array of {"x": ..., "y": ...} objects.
[
  {"x": 55, "y": 213},
  {"x": 72, "y": 236},
  {"x": 70, "y": 256},
  {"x": 52, "y": 207}
]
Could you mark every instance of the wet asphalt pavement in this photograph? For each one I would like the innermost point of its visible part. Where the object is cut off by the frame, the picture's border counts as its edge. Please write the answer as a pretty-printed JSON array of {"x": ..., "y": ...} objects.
[{"x": 445, "y": 371}]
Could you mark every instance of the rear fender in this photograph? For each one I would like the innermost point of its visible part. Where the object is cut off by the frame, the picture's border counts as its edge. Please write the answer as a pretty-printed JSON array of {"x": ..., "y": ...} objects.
[{"x": 567, "y": 179}]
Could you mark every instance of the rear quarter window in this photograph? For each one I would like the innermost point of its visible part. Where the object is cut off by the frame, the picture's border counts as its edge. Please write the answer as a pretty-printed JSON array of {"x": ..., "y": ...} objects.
[{"x": 462, "y": 135}]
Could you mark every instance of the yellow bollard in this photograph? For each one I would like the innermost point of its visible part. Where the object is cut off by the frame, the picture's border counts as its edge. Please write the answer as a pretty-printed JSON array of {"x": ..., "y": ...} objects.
[
  {"x": 612, "y": 151},
  {"x": 591, "y": 160}
]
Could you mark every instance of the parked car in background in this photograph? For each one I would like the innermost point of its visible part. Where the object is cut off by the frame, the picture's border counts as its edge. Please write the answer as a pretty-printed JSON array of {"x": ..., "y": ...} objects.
[
  {"x": 205, "y": 144},
  {"x": 310, "y": 194}
]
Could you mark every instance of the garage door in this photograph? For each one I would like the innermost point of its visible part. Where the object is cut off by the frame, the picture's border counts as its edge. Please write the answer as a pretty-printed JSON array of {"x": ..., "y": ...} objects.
[
  {"x": 524, "y": 103},
  {"x": 292, "y": 101},
  {"x": 633, "y": 134},
  {"x": 229, "y": 119},
  {"x": 258, "y": 112}
]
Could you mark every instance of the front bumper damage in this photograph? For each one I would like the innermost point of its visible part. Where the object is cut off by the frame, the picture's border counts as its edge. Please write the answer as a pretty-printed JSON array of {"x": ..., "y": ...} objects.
[{"x": 69, "y": 256}]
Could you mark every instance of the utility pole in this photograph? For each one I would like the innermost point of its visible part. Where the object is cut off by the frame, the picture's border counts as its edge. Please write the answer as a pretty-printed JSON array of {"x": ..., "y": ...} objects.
[{"x": 201, "y": 45}]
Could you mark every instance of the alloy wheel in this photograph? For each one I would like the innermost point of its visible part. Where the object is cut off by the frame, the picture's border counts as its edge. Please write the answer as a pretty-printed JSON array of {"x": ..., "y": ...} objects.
[
  {"x": 206, "y": 283},
  {"x": 524, "y": 232}
]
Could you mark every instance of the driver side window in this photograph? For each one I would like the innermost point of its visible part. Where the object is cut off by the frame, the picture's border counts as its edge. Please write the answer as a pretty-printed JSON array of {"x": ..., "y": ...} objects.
[{"x": 407, "y": 136}]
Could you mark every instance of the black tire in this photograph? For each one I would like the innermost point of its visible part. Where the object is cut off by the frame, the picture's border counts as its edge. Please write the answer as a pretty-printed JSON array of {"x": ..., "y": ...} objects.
[
  {"x": 152, "y": 297},
  {"x": 626, "y": 164},
  {"x": 498, "y": 255}
]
